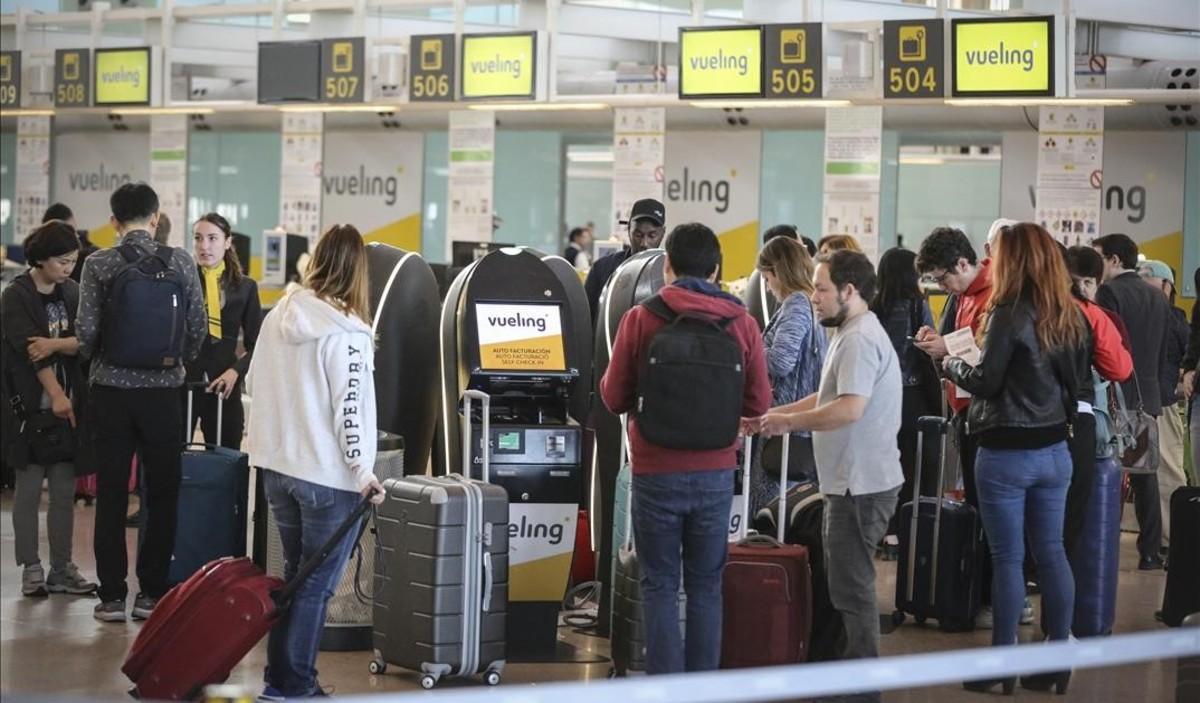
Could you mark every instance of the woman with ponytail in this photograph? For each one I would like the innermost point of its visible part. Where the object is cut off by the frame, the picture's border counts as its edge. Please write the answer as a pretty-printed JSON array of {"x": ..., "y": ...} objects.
[{"x": 233, "y": 312}]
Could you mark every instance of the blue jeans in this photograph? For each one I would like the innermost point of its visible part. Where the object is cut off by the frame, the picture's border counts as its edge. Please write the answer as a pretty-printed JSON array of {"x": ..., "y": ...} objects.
[
  {"x": 1024, "y": 491},
  {"x": 307, "y": 515},
  {"x": 681, "y": 523}
]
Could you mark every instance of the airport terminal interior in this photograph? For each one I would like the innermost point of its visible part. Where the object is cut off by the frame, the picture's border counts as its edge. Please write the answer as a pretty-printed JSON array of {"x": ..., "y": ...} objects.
[{"x": 517, "y": 171}]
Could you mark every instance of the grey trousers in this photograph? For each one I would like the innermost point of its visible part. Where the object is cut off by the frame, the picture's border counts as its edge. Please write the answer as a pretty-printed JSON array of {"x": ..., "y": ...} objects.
[
  {"x": 60, "y": 517},
  {"x": 853, "y": 527}
]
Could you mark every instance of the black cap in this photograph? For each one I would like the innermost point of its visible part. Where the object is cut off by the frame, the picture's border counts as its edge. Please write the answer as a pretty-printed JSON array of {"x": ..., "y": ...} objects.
[{"x": 647, "y": 209}]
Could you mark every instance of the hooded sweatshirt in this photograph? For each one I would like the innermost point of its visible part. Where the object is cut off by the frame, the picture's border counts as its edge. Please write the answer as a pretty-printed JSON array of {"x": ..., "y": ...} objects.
[
  {"x": 618, "y": 388},
  {"x": 313, "y": 389}
]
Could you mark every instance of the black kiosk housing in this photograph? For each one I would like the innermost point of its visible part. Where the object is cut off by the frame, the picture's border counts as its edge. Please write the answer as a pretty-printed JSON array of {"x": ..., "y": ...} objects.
[{"x": 536, "y": 378}]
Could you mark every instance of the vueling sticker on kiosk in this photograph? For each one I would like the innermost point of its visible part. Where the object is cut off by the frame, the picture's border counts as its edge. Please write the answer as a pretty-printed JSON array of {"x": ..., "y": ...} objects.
[
  {"x": 541, "y": 544},
  {"x": 520, "y": 337},
  {"x": 998, "y": 57}
]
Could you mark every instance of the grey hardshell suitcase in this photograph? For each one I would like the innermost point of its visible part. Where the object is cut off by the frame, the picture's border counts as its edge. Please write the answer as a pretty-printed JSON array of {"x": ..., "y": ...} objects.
[{"x": 441, "y": 572}]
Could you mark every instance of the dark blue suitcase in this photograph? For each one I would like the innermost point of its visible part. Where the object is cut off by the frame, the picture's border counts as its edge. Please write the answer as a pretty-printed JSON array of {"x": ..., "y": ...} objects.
[
  {"x": 213, "y": 502},
  {"x": 1095, "y": 567},
  {"x": 939, "y": 570}
]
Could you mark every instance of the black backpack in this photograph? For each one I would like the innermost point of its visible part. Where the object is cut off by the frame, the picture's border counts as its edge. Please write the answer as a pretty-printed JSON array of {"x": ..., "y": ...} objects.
[
  {"x": 690, "y": 389},
  {"x": 145, "y": 311}
]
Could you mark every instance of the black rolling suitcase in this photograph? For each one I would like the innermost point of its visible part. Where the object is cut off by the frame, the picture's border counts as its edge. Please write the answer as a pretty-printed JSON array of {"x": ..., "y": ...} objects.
[
  {"x": 939, "y": 571},
  {"x": 1182, "y": 596},
  {"x": 441, "y": 572}
]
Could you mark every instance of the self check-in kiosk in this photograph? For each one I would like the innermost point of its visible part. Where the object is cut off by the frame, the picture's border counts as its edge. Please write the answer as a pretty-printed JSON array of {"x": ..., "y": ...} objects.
[
  {"x": 406, "y": 308},
  {"x": 516, "y": 328},
  {"x": 640, "y": 277}
]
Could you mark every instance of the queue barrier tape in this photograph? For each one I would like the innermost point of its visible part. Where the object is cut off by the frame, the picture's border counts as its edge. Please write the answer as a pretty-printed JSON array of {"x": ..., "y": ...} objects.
[{"x": 834, "y": 678}]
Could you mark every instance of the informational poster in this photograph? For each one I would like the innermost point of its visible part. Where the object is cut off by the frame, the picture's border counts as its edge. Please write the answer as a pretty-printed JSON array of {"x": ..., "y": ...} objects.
[
  {"x": 520, "y": 337},
  {"x": 300, "y": 174},
  {"x": 713, "y": 177},
  {"x": 639, "y": 153},
  {"x": 1070, "y": 172},
  {"x": 472, "y": 141},
  {"x": 33, "y": 174},
  {"x": 169, "y": 170},
  {"x": 373, "y": 179},
  {"x": 87, "y": 170},
  {"x": 853, "y": 154}
]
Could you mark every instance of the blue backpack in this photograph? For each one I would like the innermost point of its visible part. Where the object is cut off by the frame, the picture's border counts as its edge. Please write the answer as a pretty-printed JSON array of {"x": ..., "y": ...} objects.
[{"x": 145, "y": 311}]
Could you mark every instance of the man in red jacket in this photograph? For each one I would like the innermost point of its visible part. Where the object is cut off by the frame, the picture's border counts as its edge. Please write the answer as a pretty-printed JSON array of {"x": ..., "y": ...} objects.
[{"x": 682, "y": 497}]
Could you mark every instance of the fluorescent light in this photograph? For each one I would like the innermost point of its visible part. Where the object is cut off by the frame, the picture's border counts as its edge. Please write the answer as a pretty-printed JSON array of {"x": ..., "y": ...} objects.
[
  {"x": 537, "y": 107},
  {"x": 27, "y": 113},
  {"x": 766, "y": 104},
  {"x": 1037, "y": 102},
  {"x": 338, "y": 108},
  {"x": 299, "y": 17},
  {"x": 591, "y": 157},
  {"x": 131, "y": 111}
]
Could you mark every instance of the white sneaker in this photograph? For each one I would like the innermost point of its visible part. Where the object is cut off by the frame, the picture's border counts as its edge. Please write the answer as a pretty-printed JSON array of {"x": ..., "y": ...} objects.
[
  {"x": 983, "y": 621},
  {"x": 1027, "y": 612}
]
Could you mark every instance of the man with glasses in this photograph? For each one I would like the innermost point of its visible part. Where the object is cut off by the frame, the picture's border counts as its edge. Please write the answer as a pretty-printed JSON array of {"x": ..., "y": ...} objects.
[
  {"x": 948, "y": 259},
  {"x": 646, "y": 220}
]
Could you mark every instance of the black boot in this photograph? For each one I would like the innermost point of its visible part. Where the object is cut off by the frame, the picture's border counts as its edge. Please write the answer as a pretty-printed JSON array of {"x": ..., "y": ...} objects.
[
  {"x": 1008, "y": 684},
  {"x": 1053, "y": 680}
]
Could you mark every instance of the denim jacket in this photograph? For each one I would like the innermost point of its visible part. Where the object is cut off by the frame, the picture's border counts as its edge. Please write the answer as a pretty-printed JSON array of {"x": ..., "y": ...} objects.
[
  {"x": 795, "y": 350},
  {"x": 901, "y": 323}
]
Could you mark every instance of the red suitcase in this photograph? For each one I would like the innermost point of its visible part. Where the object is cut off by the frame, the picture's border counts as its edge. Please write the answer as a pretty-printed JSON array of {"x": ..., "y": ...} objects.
[
  {"x": 767, "y": 592},
  {"x": 204, "y": 626}
]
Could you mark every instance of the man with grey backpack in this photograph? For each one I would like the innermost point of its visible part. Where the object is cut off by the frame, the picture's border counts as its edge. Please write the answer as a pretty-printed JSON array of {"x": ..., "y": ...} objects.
[{"x": 141, "y": 317}]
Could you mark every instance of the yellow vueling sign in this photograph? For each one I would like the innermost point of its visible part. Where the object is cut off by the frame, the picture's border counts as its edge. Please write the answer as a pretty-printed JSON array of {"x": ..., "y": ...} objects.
[
  {"x": 499, "y": 65},
  {"x": 1004, "y": 57},
  {"x": 122, "y": 76},
  {"x": 720, "y": 62}
]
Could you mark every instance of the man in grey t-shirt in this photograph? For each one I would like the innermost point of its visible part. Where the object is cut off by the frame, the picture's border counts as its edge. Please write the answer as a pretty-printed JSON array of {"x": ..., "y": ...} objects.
[{"x": 854, "y": 417}]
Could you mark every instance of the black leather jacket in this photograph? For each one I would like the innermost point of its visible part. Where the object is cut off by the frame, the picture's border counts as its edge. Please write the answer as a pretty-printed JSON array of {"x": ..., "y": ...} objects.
[{"x": 1015, "y": 384}]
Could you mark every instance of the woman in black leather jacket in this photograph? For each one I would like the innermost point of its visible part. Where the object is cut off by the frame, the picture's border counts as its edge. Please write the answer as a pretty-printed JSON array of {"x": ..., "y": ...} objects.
[{"x": 1024, "y": 393}]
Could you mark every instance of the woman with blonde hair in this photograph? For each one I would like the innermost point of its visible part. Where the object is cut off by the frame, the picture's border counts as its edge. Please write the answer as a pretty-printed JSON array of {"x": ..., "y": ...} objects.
[
  {"x": 313, "y": 429},
  {"x": 1023, "y": 400},
  {"x": 795, "y": 347},
  {"x": 837, "y": 242}
]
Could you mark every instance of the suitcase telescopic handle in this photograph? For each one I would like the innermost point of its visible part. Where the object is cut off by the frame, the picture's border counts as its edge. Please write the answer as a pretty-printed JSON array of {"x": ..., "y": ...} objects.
[
  {"x": 781, "y": 521},
  {"x": 191, "y": 392},
  {"x": 283, "y": 597},
  {"x": 747, "y": 446},
  {"x": 485, "y": 450}
]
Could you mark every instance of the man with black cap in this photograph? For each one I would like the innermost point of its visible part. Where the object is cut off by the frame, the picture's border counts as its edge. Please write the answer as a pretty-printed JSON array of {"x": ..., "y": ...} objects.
[{"x": 646, "y": 220}]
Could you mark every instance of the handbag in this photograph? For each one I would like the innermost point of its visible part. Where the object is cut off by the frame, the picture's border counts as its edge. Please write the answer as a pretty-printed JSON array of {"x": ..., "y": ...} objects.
[
  {"x": 51, "y": 439},
  {"x": 802, "y": 464},
  {"x": 1135, "y": 434}
]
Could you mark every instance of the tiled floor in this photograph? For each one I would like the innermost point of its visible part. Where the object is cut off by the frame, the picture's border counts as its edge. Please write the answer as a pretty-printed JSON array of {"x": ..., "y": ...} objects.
[{"x": 53, "y": 646}]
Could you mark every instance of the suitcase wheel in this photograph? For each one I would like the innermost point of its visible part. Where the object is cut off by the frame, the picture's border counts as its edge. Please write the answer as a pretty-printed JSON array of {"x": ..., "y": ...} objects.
[
  {"x": 920, "y": 619},
  {"x": 428, "y": 681},
  {"x": 377, "y": 667},
  {"x": 898, "y": 617},
  {"x": 492, "y": 677}
]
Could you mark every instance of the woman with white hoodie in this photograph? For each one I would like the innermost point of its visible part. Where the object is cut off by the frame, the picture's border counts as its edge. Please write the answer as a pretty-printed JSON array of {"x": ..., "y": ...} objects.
[{"x": 312, "y": 427}]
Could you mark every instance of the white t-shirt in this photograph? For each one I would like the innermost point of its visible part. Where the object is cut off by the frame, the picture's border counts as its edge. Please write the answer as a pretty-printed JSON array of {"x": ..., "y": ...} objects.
[{"x": 862, "y": 457}]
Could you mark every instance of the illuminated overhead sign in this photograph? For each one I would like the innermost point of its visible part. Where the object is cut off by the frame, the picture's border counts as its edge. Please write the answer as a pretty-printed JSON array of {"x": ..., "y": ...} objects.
[
  {"x": 342, "y": 62},
  {"x": 914, "y": 59},
  {"x": 499, "y": 65},
  {"x": 122, "y": 76},
  {"x": 1003, "y": 57},
  {"x": 72, "y": 78},
  {"x": 792, "y": 60},
  {"x": 721, "y": 62},
  {"x": 431, "y": 68}
]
